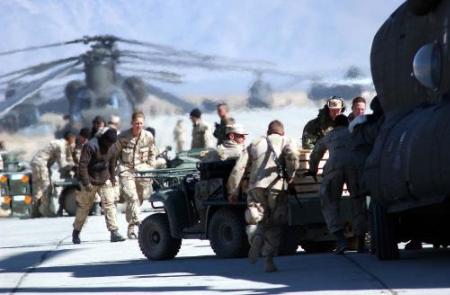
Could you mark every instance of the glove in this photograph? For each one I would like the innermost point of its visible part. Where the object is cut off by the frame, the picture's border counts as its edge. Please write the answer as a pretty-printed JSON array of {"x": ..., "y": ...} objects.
[{"x": 311, "y": 173}]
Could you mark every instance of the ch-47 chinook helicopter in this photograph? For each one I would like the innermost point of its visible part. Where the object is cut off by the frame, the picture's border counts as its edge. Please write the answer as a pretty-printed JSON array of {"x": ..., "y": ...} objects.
[
  {"x": 106, "y": 87},
  {"x": 408, "y": 172}
]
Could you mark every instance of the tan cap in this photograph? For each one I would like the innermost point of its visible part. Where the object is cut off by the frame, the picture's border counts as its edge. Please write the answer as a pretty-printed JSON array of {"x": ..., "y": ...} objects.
[
  {"x": 236, "y": 128},
  {"x": 335, "y": 103}
]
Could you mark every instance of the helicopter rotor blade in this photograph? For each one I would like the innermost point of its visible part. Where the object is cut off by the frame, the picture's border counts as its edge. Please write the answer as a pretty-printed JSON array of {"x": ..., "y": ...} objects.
[
  {"x": 31, "y": 88},
  {"x": 165, "y": 50},
  {"x": 162, "y": 73},
  {"x": 38, "y": 68},
  {"x": 58, "y": 44}
]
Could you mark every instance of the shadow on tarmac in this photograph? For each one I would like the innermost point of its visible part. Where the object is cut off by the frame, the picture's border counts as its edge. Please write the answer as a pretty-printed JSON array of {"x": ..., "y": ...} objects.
[{"x": 425, "y": 269}]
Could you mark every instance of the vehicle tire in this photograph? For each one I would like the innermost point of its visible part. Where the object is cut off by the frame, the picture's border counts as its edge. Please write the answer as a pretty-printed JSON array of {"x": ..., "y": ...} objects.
[
  {"x": 69, "y": 200},
  {"x": 318, "y": 247},
  {"x": 155, "y": 240},
  {"x": 227, "y": 234},
  {"x": 383, "y": 233},
  {"x": 290, "y": 240}
]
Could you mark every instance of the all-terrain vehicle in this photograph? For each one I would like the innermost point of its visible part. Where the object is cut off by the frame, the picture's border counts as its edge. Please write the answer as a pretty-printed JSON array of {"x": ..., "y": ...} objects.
[{"x": 187, "y": 210}]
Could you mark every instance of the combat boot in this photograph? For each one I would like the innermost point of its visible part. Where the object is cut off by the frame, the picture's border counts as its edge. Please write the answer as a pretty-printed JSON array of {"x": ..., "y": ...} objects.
[
  {"x": 341, "y": 243},
  {"x": 270, "y": 265},
  {"x": 76, "y": 237},
  {"x": 116, "y": 237},
  {"x": 255, "y": 249},
  {"x": 131, "y": 234}
]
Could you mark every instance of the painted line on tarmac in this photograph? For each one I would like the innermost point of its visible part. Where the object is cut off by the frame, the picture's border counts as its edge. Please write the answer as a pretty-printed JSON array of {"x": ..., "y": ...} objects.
[
  {"x": 31, "y": 269},
  {"x": 372, "y": 275}
]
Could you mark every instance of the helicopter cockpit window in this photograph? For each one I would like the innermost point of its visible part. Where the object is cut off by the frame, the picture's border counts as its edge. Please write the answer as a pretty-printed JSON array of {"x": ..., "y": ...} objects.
[{"x": 427, "y": 65}]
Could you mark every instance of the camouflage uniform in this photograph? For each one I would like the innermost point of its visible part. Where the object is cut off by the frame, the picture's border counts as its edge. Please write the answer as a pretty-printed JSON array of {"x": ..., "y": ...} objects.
[
  {"x": 59, "y": 151},
  {"x": 316, "y": 129},
  {"x": 339, "y": 169},
  {"x": 135, "y": 153},
  {"x": 221, "y": 129},
  {"x": 98, "y": 170},
  {"x": 227, "y": 150},
  {"x": 179, "y": 135},
  {"x": 201, "y": 136},
  {"x": 266, "y": 195}
]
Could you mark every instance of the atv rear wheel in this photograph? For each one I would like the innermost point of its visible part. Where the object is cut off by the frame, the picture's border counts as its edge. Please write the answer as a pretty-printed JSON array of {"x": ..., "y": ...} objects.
[
  {"x": 155, "y": 240},
  {"x": 227, "y": 234}
]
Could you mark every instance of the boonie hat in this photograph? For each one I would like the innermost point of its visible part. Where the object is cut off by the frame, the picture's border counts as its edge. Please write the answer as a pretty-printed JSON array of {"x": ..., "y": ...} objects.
[
  {"x": 236, "y": 128},
  {"x": 335, "y": 102}
]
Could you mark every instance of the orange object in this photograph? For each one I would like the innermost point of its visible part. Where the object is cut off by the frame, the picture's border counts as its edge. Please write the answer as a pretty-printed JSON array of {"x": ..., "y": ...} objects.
[
  {"x": 7, "y": 199},
  {"x": 25, "y": 179},
  {"x": 28, "y": 200}
]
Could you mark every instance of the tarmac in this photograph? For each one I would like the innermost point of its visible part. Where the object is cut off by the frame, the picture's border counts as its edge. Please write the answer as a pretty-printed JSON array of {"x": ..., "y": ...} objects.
[{"x": 38, "y": 257}]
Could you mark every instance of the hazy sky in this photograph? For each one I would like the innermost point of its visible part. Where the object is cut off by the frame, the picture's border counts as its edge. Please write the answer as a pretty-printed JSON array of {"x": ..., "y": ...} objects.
[{"x": 308, "y": 36}]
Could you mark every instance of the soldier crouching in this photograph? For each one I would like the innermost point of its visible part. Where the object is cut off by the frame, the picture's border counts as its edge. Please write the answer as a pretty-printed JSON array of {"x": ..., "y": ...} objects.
[
  {"x": 97, "y": 175},
  {"x": 267, "y": 190}
]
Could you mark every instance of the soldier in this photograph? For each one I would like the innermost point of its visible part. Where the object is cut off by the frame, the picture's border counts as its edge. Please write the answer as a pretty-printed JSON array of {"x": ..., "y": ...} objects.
[
  {"x": 339, "y": 169},
  {"x": 231, "y": 147},
  {"x": 225, "y": 119},
  {"x": 60, "y": 151},
  {"x": 364, "y": 131},
  {"x": 358, "y": 108},
  {"x": 136, "y": 149},
  {"x": 97, "y": 175},
  {"x": 179, "y": 135},
  {"x": 267, "y": 190},
  {"x": 323, "y": 123},
  {"x": 201, "y": 132}
]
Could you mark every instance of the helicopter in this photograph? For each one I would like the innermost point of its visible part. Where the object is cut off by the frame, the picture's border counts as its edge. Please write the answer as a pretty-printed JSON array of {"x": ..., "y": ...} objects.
[
  {"x": 407, "y": 172},
  {"x": 106, "y": 88}
]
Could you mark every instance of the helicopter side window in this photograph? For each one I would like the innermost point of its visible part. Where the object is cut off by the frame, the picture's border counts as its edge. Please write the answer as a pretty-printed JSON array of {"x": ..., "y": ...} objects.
[{"x": 427, "y": 65}]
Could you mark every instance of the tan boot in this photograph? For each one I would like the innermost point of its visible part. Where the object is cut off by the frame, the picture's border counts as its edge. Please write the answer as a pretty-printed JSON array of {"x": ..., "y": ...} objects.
[
  {"x": 270, "y": 265},
  {"x": 255, "y": 249},
  {"x": 131, "y": 233}
]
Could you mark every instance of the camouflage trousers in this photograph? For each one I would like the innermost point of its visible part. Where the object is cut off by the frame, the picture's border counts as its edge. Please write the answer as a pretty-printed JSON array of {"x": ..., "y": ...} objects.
[
  {"x": 42, "y": 189},
  {"x": 330, "y": 195},
  {"x": 134, "y": 192},
  {"x": 85, "y": 200},
  {"x": 267, "y": 209}
]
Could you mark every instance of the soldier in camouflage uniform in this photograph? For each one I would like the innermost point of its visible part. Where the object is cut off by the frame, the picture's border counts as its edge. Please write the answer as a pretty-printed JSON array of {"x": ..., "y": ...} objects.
[
  {"x": 201, "y": 131},
  {"x": 96, "y": 170},
  {"x": 221, "y": 128},
  {"x": 60, "y": 151},
  {"x": 136, "y": 148},
  {"x": 340, "y": 168},
  {"x": 267, "y": 190},
  {"x": 323, "y": 124},
  {"x": 231, "y": 147},
  {"x": 179, "y": 135}
]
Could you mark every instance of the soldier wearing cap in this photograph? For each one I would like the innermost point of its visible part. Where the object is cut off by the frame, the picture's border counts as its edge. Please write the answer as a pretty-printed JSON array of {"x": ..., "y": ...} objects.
[
  {"x": 323, "y": 123},
  {"x": 60, "y": 151},
  {"x": 232, "y": 146},
  {"x": 221, "y": 128},
  {"x": 267, "y": 202},
  {"x": 201, "y": 131}
]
